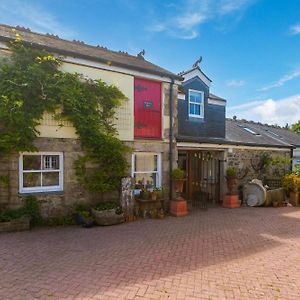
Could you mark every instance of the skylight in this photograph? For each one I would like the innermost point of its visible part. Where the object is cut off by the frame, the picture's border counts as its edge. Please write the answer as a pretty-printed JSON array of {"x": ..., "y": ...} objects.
[
  {"x": 273, "y": 133},
  {"x": 249, "y": 130}
]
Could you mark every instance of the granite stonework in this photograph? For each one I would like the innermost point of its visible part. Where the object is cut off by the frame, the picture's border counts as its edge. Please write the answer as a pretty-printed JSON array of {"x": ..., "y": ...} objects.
[
  {"x": 60, "y": 204},
  {"x": 247, "y": 161}
]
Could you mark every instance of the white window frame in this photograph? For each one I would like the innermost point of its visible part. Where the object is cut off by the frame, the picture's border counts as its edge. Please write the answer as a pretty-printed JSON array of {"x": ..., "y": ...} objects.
[
  {"x": 158, "y": 172},
  {"x": 201, "y": 104},
  {"x": 40, "y": 189}
]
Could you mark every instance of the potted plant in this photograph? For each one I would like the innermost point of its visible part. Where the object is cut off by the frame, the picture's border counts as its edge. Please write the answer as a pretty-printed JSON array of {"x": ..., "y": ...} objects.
[
  {"x": 84, "y": 216},
  {"x": 108, "y": 213},
  {"x": 231, "y": 179},
  {"x": 178, "y": 177},
  {"x": 291, "y": 183},
  {"x": 178, "y": 206}
]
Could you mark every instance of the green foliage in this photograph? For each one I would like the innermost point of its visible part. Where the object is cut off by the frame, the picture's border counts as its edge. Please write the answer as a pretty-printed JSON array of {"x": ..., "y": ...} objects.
[
  {"x": 291, "y": 182},
  {"x": 109, "y": 205},
  {"x": 296, "y": 127},
  {"x": 231, "y": 172},
  {"x": 63, "y": 221},
  {"x": 31, "y": 84},
  {"x": 32, "y": 209},
  {"x": 178, "y": 174},
  {"x": 11, "y": 214}
]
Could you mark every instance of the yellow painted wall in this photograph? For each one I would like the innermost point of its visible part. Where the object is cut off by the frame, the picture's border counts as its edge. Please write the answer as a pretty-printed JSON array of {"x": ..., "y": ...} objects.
[{"x": 124, "y": 115}]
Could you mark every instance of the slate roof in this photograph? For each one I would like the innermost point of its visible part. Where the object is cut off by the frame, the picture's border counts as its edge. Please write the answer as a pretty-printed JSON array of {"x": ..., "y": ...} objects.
[
  {"x": 213, "y": 96},
  {"x": 80, "y": 49},
  {"x": 266, "y": 134}
]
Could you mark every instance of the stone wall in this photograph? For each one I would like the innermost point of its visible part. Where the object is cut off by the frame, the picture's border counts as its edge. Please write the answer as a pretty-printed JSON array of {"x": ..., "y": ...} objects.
[
  {"x": 59, "y": 204},
  {"x": 247, "y": 163}
]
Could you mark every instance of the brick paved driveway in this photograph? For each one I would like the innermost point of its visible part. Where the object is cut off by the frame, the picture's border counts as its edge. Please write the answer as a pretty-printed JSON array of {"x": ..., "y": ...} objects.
[{"x": 247, "y": 253}]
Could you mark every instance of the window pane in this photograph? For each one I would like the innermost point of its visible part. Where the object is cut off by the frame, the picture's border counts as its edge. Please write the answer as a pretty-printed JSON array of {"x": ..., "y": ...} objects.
[
  {"x": 50, "y": 162},
  {"x": 144, "y": 163},
  {"x": 197, "y": 110},
  {"x": 146, "y": 180},
  {"x": 195, "y": 97},
  {"x": 31, "y": 179},
  {"x": 192, "y": 109},
  {"x": 31, "y": 162},
  {"x": 50, "y": 178}
]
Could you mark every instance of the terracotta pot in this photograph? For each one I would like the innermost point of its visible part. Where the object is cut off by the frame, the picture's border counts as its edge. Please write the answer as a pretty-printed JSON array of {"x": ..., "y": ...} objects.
[
  {"x": 294, "y": 198},
  {"x": 154, "y": 195},
  {"x": 178, "y": 184},
  {"x": 231, "y": 183}
]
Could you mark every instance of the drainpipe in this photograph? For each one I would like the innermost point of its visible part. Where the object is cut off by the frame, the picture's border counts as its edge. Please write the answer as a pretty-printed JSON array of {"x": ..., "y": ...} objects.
[{"x": 171, "y": 134}]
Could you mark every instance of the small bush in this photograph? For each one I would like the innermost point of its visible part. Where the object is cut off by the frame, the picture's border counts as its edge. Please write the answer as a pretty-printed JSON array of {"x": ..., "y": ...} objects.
[
  {"x": 32, "y": 209},
  {"x": 231, "y": 172},
  {"x": 178, "y": 174}
]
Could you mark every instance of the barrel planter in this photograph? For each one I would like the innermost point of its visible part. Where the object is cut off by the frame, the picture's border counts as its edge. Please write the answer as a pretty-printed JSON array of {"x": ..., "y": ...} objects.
[
  {"x": 107, "y": 217},
  {"x": 20, "y": 224}
]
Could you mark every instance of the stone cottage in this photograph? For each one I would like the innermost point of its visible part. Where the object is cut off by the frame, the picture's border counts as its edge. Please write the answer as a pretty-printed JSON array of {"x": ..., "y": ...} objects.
[{"x": 143, "y": 122}]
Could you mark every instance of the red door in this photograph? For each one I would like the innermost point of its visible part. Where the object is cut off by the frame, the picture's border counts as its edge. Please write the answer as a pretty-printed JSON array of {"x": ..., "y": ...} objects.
[{"x": 147, "y": 109}]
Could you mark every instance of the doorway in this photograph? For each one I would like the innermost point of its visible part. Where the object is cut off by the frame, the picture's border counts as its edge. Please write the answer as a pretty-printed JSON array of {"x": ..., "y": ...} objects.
[{"x": 202, "y": 168}]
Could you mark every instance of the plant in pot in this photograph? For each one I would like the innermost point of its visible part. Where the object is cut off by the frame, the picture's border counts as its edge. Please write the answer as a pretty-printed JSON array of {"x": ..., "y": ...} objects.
[
  {"x": 231, "y": 179},
  {"x": 178, "y": 206},
  {"x": 108, "y": 213},
  {"x": 179, "y": 178},
  {"x": 84, "y": 216},
  {"x": 291, "y": 183}
]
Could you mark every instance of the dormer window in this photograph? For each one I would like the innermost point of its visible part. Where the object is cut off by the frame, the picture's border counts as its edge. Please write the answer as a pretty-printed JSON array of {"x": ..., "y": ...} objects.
[{"x": 196, "y": 104}]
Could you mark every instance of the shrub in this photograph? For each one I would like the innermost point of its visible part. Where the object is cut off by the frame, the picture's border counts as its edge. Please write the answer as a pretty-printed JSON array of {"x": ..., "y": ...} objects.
[
  {"x": 178, "y": 174},
  {"x": 109, "y": 205},
  {"x": 291, "y": 182},
  {"x": 231, "y": 172}
]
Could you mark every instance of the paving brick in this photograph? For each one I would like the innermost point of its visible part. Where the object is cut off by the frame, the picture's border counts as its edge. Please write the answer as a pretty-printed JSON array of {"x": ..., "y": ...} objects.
[{"x": 247, "y": 253}]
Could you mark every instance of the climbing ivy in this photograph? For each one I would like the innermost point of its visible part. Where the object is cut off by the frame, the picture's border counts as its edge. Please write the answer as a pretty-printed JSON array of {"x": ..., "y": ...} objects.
[{"x": 32, "y": 83}]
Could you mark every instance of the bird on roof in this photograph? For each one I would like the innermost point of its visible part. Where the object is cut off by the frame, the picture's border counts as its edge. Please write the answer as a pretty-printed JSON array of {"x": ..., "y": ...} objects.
[
  {"x": 141, "y": 54},
  {"x": 197, "y": 62}
]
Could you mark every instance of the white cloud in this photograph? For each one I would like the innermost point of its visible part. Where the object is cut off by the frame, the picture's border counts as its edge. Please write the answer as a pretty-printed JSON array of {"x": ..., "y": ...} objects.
[
  {"x": 281, "y": 81},
  {"x": 235, "y": 83},
  {"x": 18, "y": 12},
  {"x": 187, "y": 17},
  {"x": 269, "y": 111},
  {"x": 295, "y": 29}
]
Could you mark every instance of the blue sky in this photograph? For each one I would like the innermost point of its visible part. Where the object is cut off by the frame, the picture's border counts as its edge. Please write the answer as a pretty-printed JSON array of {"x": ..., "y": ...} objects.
[{"x": 250, "y": 48}]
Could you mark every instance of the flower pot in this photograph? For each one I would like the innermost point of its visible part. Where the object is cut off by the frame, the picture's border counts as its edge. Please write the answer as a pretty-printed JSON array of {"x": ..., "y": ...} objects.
[
  {"x": 294, "y": 198},
  {"x": 107, "y": 217},
  {"x": 178, "y": 184},
  {"x": 154, "y": 195},
  {"x": 84, "y": 222},
  {"x": 231, "y": 183}
]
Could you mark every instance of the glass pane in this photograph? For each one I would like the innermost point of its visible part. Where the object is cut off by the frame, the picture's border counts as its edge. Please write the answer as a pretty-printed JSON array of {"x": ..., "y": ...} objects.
[
  {"x": 197, "y": 110},
  {"x": 31, "y": 162},
  {"x": 144, "y": 163},
  {"x": 50, "y": 162},
  {"x": 50, "y": 179},
  {"x": 195, "y": 97},
  {"x": 31, "y": 179},
  {"x": 192, "y": 109},
  {"x": 147, "y": 181}
]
